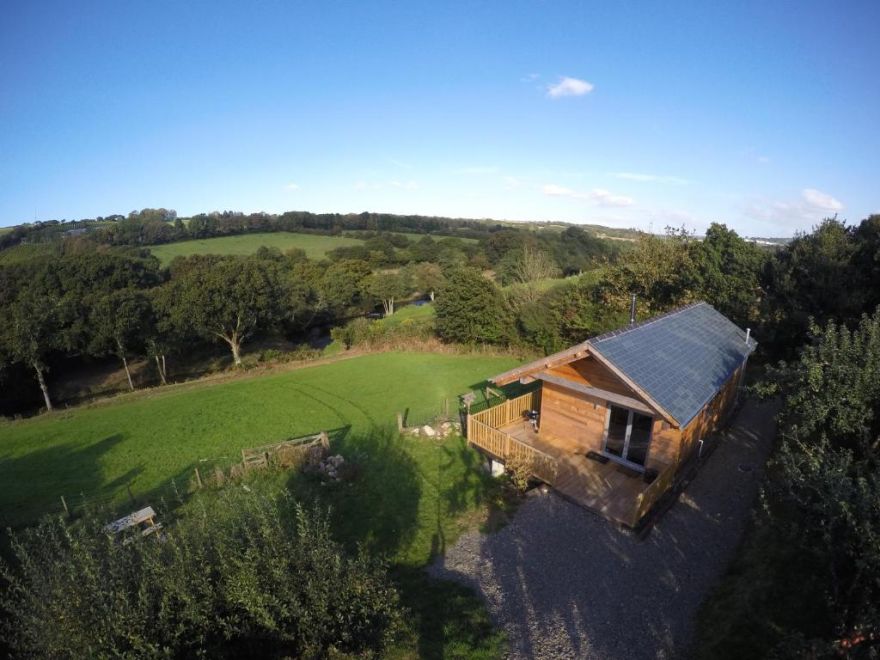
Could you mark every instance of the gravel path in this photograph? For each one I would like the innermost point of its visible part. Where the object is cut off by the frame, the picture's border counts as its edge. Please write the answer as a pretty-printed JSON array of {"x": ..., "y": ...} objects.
[{"x": 564, "y": 583}]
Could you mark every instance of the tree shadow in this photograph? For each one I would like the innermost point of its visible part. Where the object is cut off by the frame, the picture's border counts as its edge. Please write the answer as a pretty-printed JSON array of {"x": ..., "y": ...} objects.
[{"x": 33, "y": 484}]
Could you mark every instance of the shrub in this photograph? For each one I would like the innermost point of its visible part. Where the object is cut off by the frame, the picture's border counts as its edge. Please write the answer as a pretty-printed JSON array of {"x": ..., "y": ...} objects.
[
  {"x": 520, "y": 470},
  {"x": 251, "y": 577}
]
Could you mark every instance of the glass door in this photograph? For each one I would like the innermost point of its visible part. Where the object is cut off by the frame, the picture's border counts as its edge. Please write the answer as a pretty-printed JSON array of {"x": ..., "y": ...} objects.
[{"x": 628, "y": 435}]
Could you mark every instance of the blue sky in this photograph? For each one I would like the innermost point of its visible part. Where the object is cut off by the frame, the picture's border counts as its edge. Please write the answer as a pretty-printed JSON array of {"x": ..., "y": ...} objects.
[{"x": 765, "y": 116}]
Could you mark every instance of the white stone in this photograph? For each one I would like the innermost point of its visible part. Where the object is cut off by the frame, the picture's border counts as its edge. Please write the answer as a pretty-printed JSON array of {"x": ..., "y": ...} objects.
[
  {"x": 496, "y": 468},
  {"x": 428, "y": 431}
]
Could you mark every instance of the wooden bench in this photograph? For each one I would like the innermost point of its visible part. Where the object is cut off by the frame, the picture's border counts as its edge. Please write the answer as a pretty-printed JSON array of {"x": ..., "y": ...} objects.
[{"x": 145, "y": 519}]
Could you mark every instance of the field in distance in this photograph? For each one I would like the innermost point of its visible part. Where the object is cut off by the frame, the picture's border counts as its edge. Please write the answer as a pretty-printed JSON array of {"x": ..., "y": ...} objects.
[{"x": 315, "y": 246}]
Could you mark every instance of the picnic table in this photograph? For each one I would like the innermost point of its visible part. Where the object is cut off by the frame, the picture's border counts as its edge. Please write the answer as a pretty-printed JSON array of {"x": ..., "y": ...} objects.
[{"x": 145, "y": 519}]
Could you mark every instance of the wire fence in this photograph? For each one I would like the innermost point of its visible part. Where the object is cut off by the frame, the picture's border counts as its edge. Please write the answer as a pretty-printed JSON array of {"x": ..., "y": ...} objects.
[{"x": 207, "y": 473}]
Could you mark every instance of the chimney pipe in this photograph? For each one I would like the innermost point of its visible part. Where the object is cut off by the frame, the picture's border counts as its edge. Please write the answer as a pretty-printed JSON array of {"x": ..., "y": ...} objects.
[
  {"x": 748, "y": 333},
  {"x": 632, "y": 310}
]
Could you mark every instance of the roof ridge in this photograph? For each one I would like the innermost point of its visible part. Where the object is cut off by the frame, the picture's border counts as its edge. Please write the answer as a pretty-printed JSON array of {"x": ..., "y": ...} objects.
[{"x": 646, "y": 322}]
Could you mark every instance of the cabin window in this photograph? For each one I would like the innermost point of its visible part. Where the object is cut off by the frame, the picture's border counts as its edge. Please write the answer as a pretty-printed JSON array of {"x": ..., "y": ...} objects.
[{"x": 628, "y": 435}]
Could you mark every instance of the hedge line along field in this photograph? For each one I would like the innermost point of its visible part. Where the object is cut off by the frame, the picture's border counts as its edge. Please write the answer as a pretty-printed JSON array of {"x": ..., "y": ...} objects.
[
  {"x": 143, "y": 440},
  {"x": 315, "y": 246}
]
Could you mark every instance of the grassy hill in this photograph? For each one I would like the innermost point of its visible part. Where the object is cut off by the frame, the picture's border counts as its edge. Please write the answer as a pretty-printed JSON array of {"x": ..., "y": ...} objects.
[{"x": 314, "y": 245}]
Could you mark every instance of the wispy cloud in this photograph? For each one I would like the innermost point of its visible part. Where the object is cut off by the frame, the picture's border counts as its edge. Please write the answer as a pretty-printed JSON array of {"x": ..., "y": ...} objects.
[
  {"x": 820, "y": 200},
  {"x": 291, "y": 186},
  {"x": 598, "y": 196},
  {"x": 530, "y": 77},
  {"x": 569, "y": 87},
  {"x": 812, "y": 206},
  {"x": 650, "y": 178}
]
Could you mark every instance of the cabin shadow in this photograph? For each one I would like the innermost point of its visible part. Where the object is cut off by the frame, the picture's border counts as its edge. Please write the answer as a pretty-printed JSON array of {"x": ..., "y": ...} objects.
[{"x": 376, "y": 503}]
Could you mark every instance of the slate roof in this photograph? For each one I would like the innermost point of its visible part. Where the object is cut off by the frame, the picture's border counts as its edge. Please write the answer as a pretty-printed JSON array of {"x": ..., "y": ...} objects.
[{"x": 681, "y": 359}]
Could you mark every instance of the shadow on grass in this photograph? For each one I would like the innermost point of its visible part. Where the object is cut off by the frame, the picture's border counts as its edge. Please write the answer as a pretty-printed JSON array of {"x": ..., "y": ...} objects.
[
  {"x": 33, "y": 484},
  {"x": 378, "y": 507}
]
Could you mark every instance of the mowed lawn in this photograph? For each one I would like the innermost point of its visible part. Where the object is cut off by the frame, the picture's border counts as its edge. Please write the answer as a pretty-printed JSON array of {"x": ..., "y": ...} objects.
[
  {"x": 141, "y": 441},
  {"x": 314, "y": 245}
]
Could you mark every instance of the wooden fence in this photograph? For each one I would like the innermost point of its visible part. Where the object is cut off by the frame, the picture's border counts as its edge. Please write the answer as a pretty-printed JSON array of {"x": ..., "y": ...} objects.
[
  {"x": 484, "y": 432},
  {"x": 287, "y": 452},
  {"x": 511, "y": 410},
  {"x": 649, "y": 497}
]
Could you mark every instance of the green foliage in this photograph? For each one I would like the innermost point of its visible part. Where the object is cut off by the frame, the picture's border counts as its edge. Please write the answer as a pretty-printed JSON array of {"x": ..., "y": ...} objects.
[
  {"x": 387, "y": 288},
  {"x": 814, "y": 276},
  {"x": 226, "y": 298},
  {"x": 470, "y": 309},
  {"x": 247, "y": 574},
  {"x": 382, "y": 333},
  {"x": 728, "y": 274},
  {"x": 342, "y": 284},
  {"x": 824, "y": 487},
  {"x": 661, "y": 271}
]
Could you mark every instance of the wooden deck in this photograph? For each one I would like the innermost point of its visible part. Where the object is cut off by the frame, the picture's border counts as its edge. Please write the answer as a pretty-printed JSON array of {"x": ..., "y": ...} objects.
[{"x": 609, "y": 489}]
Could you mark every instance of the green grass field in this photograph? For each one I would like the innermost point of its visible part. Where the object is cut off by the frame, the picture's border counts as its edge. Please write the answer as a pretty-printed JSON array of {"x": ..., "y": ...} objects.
[
  {"x": 314, "y": 245},
  {"x": 409, "y": 498},
  {"x": 143, "y": 440}
]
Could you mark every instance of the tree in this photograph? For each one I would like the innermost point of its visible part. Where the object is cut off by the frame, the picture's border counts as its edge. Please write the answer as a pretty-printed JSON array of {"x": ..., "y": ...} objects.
[
  {"x": 226, "y": 298},
  {"x": 426, "y": 277},
  {"x": 728, "y": 273},
  {"x": 342, "y": 284},
  {"x": 527, "y": 265},
  {"x": 31, "y": 327},
  {"x": 388, "y": 287},
  {"x": 660, "y": 270},
  {"x": 258, "y": 578},
  {"x": 470, "y": 309},
  {"x": 807, "y": 279},
  {"x": 119, "y": 322},
  {"x": 825, "y": 487}
]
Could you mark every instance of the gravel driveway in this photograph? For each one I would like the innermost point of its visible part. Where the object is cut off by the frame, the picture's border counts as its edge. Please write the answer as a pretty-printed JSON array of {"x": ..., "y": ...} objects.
[{"x": 564, "y": 583}]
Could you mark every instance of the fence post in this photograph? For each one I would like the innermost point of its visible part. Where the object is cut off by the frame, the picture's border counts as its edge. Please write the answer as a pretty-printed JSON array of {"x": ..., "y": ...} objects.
[
  {"x": 64, "y": 504},
  {"x": 400, "y": 422},
  {"x": 198, "y": 478}
]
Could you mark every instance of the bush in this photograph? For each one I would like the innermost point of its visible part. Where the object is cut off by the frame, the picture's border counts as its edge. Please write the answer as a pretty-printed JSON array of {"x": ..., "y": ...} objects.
[
  {"x": 381, "y": 334},
  {"x": 252, "y": 577}
]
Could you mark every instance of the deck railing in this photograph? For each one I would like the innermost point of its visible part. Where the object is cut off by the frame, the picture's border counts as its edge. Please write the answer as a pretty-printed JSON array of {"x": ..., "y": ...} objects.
[
  {"x": 648, "y": 497},
  {"x": 484, "y": 432},
  {"x": 511, "y": 410}
]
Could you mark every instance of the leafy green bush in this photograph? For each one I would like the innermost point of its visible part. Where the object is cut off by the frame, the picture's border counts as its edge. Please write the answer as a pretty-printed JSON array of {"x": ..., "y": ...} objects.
[
  {"x": 251, "y": 576},
  {"x": 382, "y": 334}
]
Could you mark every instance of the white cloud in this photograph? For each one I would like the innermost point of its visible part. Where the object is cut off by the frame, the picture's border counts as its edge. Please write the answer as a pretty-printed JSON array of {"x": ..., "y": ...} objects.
[
  {"x": 291, "y": 186},
  {"x": 569, "y": 87},
  {"x": 820, "y": 200},
  {"x": 812, "y": 206},
  {"x": 598, "y": 196},
  {"x": 650, "y": 178}
]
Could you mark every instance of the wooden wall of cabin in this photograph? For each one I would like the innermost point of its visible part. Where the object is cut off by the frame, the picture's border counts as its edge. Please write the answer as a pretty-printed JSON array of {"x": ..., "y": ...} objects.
[
  {"x": 590, "y": 371},
  {"x": 570, "y": 420},
  {"x": 711, "y": 418},
  {"x": 575, "y": 422}
]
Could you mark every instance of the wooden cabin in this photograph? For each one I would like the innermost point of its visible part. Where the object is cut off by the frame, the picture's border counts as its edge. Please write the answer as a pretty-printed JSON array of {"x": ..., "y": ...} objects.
[{"x": 622, "y": 415}]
